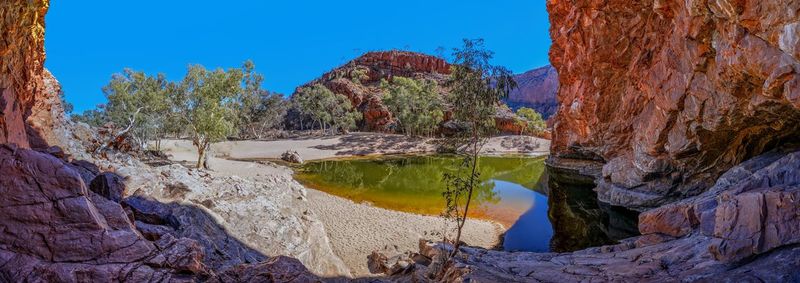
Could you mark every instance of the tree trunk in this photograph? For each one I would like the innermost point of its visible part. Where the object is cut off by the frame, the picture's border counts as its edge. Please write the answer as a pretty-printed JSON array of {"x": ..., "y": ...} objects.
[
  {"x": 475, "y": 155},
  {"x": 201, "y": 155},
  {"x": 207, "y": 157}
]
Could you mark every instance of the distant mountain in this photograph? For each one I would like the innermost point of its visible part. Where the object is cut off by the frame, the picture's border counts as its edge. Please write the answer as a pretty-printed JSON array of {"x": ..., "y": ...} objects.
[{"x": 536, "y": 89}]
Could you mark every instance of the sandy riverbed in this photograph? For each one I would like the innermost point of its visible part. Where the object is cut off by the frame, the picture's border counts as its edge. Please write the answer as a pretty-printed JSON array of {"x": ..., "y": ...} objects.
[{"x": 354, "y": 230}]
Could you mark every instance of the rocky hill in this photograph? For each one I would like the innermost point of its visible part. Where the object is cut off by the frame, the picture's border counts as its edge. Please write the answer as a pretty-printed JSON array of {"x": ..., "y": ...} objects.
[
  {"x": 360, "y": 79},
  {"x": 536, "y": 89}
]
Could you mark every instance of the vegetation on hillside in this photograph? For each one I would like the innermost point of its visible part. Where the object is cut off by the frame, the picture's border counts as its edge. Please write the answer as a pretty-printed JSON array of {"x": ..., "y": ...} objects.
[
  {"x": 329, "y": 111},
  {"x": 531, "y": 122},
  {"x": 416, "y": 105}
]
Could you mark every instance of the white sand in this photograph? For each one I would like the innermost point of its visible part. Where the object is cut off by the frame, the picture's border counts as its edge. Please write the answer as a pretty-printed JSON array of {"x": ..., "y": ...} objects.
[
  {"x": 354, "y": 144},
  {"x": 354, "y": 230}
]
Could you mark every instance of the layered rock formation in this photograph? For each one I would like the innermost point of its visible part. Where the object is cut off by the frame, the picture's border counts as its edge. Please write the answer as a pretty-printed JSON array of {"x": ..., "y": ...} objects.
[
  {"x": 21, "y": 66},
  {"x": 536, "y": 89},
  {"x": 671, "y": 94}
]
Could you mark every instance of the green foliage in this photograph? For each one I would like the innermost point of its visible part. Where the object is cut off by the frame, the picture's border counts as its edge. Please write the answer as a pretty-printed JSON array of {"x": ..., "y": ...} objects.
[
  {"x": 257, "y": 109},
  {"x": 94, "y": 117},
  {"x": 328, "y": 110},
  {"x": 415, "y": 104},
  {"x": 207, "y": 101},
  {"x": 476, "y": 88},
  {"x": 137, "y": 102},
  {"x": 359, "y": 75},
  {"x": 534, "y": 123},
  {"x": 208, "y": 106}
]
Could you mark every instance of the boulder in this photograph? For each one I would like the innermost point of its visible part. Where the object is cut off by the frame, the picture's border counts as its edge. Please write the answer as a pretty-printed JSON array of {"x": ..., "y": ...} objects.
[
  {"x": 391, "y": 262},
  {"x": 276, "y": 269},
  {"x": 109, "y": 185},
  {"x": 292, "y": 156}
]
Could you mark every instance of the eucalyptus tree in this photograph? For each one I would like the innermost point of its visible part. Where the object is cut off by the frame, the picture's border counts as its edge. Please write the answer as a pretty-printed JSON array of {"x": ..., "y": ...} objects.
[
  {"x": 136, "y": 103},
  {"x": 476, "y": 88},
  {"x": 257, "y": 109},
  {"x": 534, "y": 123},
  {"x": 206, "y": 101},
  {"x": 416, "y": 105},
  {"x": 326, "y": 109}
]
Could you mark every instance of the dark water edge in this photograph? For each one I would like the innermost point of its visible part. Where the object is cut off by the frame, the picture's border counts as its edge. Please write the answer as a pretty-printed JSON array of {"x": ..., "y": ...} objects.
[
  {"x": 578, "y": 219},
  {"x": 545, "y": 208}
]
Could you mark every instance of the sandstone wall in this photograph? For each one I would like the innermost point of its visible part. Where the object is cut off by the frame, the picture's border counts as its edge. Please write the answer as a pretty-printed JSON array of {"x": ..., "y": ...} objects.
[
  {"x": 670, "y": 94},
  {"x": 21, "y": 65}
]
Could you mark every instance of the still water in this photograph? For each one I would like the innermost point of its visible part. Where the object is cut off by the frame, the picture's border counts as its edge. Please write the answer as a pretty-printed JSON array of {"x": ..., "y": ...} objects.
[{"x": 510, "y": 191}]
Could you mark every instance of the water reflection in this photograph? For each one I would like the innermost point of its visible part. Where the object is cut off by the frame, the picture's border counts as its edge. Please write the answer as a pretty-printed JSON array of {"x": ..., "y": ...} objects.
[
  {"x": 543, "y": 209},
  {"x": 579, "y": 220}
]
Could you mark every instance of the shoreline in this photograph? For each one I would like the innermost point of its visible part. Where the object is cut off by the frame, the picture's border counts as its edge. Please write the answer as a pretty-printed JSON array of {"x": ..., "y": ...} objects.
[{"x": 354, "y": 230}]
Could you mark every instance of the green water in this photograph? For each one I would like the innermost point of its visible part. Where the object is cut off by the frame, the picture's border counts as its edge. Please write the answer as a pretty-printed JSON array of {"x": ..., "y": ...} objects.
[{"x": 414, "y": 183}]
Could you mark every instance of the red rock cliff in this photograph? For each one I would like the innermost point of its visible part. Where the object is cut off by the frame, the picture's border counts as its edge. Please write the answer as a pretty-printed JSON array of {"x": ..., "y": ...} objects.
[
  {"x": 360, "y": 79},
  {"x": 670, "y": 94},
  {"x": 21, "y": 65}
]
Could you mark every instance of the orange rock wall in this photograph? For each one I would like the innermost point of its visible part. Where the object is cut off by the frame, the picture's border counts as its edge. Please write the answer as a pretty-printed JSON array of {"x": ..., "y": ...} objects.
[
  {"x": 670, "y": 94},
  {"x": 21, "y": 65}
]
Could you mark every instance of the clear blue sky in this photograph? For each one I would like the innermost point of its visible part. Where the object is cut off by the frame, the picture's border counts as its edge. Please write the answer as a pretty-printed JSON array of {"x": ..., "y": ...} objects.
[{"x": 291, "y": 42}]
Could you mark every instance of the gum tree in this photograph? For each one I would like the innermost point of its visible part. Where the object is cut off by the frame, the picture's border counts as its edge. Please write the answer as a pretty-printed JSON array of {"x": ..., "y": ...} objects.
[
  {"x": 415, "y": 104},
  {"x": 476, "y": 88},
  {"x": 534, "y": 123},
  {"x": 205, "y": 102}
]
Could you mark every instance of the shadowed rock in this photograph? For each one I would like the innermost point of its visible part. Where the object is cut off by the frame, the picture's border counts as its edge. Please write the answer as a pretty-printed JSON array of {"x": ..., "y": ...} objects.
[{"x": 671, "y": 94}]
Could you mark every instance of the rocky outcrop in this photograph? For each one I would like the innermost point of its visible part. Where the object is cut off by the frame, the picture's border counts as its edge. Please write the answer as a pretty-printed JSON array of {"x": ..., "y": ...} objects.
[
  {"x": 671, "y": 94},
  {"x": 752, "y": 209},
  {"x": 48, "y": 124},
  {"x": 744, "y": 229},
  {"x": 55, "y": 229},
  {"x": 360, "y": 79},
  {"x": 536, "y": 89},
  {"x": 21, "y": 66},
  {"x": 241, "y": 220}
]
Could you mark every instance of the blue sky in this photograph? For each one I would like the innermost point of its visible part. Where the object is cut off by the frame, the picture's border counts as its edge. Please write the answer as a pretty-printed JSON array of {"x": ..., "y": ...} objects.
[{"x": 291, "y": 42}]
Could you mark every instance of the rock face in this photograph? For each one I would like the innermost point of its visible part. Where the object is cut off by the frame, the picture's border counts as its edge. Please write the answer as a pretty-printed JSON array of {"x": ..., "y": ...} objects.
[
  {"x": 55, "y": 229},
  {"x": 671, "y": 94},
  {"x": 536, "y": 89},
  {"x": 21, "y": 66}
]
